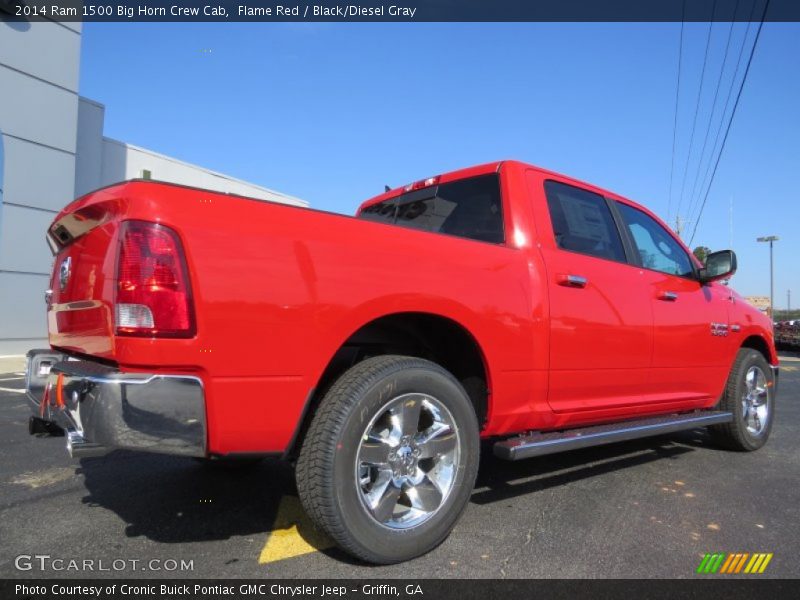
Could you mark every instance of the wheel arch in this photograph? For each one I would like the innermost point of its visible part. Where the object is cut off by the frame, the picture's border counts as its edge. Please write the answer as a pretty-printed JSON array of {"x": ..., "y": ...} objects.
[
  {"x": 428, "y": 335},
  {"x": 758, "y": 343}
]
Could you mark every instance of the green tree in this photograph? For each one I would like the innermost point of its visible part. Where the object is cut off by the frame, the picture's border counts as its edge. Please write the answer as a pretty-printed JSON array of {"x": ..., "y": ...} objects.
[{"x": 701, "y": 252}]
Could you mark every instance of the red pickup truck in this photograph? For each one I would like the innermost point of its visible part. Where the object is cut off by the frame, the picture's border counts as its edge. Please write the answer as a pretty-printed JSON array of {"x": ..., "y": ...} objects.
[{"x": 502, "y": 303}]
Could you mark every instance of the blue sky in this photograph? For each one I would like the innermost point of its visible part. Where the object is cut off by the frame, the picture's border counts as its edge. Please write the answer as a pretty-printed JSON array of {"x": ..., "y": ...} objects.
[{"x": 332, "y": 112}]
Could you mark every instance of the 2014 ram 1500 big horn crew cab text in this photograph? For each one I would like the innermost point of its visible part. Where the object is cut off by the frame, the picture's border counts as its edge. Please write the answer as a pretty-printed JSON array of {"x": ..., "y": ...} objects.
[{"x": 500, "y": 302}]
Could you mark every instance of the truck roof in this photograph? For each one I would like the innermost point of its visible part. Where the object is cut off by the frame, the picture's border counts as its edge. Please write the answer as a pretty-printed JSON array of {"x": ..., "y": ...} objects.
[{"x": 494, "y": 167}]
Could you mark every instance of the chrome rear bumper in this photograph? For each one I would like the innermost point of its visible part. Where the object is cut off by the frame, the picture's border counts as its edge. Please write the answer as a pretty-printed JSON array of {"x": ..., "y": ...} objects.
[{"x": 102, "y": 409}]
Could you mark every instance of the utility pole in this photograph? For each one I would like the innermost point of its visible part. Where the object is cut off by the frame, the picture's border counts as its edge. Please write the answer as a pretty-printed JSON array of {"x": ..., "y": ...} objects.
[
  {"x": 771, "y": 239},
  {"x": 678, "y": 225},
  {"x": 788, "y": 300}
]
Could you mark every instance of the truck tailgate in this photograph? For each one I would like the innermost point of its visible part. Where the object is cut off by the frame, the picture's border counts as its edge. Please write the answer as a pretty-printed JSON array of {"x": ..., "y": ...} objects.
[{"x": 80, "y": 311}]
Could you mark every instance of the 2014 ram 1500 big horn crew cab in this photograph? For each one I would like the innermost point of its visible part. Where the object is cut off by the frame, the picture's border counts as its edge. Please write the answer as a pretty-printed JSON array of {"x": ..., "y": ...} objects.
[{"x": 501, "y": 302}]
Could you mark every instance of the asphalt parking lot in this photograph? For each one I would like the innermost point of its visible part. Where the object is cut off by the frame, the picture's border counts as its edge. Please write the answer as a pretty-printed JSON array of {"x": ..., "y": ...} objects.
[{"x": 648, "y": 508}]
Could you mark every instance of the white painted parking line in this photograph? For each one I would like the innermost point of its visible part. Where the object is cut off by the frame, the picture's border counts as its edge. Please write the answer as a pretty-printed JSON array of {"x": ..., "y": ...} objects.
[
  {"x": 4, "y": 389},
  {"x": 11, "y": 378}
]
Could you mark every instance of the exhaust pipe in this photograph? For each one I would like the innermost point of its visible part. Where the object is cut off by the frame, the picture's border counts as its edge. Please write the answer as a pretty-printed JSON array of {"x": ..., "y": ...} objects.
[
  {"x": 79, "y": 447},
  {"x": 37, "y": 426}
]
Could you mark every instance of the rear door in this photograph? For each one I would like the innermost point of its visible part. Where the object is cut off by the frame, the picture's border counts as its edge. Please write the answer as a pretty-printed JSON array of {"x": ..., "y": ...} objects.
[
  {"x": 601, "y": 323},
  {"x": 690, "y": 336}
]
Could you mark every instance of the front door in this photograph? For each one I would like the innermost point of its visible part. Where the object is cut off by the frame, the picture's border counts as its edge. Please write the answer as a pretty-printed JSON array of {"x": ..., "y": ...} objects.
[{"x": 691, "y": 343}]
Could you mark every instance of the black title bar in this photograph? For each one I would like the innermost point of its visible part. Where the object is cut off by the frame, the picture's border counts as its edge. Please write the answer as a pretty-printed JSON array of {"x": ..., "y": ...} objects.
[
  {"x": 402, "y": 10},
  {"x": 404, "y": 589}
]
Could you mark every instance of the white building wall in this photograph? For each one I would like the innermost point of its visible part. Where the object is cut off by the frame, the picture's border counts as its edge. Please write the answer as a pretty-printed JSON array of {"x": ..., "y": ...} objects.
[
  {"x": 89, "y": 157},
  {"x": 52, "y": 150},
  {"x": 119, "y": 157},
  {"x": 102, "y": 161},
  {"x": 39, "y": 64}
]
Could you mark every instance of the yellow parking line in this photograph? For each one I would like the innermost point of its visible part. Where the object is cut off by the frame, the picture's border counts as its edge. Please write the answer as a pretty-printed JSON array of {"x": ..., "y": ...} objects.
[
  {"x": 292, "y": 534},
  {"x": 788, "y": 368}
]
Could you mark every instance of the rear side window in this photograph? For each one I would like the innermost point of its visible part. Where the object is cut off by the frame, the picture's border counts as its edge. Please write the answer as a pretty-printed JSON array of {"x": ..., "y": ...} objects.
[
  {"x": 658, "y": 250},
  {"x": 469, "y": 208},
  {"x": 582, "y": 222}
]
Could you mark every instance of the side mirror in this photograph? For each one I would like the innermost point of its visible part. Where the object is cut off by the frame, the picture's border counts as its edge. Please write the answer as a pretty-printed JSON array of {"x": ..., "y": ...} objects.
[{"x": 719, "y": 265}]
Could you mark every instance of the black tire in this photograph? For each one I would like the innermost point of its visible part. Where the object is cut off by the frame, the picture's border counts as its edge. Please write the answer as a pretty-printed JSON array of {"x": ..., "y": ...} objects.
[
  {"x": 330, "y": 484},
  {"x": 736, "y": 435}
]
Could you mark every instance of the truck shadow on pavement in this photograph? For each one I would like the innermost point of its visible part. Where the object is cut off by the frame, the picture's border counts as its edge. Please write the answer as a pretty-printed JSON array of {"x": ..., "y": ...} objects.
[
  {"x": 177, "y": 500},
  {"x": 502, "y": 480}
]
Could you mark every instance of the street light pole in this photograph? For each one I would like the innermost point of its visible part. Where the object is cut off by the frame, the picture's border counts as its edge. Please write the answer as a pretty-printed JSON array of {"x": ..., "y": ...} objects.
[{"x": 770, "y": 239}]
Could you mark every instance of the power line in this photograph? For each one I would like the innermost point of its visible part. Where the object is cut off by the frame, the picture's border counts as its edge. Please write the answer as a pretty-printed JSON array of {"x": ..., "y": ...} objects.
[
  {"x": 697, "y": 105},
  {"x": 675, "y": 122},
  {"x": 707, "y": 177},
  {"x": 690, "y": 207},
  {"x": 730, "y": 121},
  {"x": 739, "y": 63},
  {"x": 725, "y": 110}
]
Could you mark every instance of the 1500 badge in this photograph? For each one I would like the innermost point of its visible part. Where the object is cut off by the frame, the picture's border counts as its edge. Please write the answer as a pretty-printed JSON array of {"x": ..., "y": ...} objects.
[{"x": 720, "y": 329}]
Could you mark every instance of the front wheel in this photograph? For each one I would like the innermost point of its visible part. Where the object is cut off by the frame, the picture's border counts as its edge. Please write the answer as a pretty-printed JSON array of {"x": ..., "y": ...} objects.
[
  {"x": 750, "y": 396},
  {"x": 390, "y": 458}
]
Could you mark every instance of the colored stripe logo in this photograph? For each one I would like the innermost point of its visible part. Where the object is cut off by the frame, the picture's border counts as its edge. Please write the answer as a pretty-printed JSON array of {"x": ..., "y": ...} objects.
[{"x": 734, "y": 563}]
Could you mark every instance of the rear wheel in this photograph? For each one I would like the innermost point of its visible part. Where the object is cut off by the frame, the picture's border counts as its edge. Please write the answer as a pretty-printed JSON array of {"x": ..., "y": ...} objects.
[
  {"x": 750, "y": 396},
  {"x": 390, "y": 458}
]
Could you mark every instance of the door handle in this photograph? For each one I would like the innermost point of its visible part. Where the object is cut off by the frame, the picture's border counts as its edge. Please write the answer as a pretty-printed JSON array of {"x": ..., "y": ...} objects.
[
  {"x": 668, "y": 296},
  {"x": 576, "y": 281}
]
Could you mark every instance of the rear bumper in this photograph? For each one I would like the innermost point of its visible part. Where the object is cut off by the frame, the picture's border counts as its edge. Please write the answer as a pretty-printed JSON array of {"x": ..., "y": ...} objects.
[{"x": 103, "y": 409}]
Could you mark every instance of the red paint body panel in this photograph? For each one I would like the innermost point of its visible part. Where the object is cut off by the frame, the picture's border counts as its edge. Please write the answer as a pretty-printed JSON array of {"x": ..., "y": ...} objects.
[{"x": 277, "y": 290}]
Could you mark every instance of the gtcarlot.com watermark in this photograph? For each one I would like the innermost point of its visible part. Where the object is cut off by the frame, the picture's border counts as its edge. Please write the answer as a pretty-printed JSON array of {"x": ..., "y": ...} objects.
[{"x": 47, "y": 562}]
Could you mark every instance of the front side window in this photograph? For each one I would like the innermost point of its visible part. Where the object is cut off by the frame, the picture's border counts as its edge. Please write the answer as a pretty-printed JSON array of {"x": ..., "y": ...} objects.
[
  {"x": 469, "y": 208},
  {"x": 582, "y": 222},
  {"x": 658, "y": 250}
]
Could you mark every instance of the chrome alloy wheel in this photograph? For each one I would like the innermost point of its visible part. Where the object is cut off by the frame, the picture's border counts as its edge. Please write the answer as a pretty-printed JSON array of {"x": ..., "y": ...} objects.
[
  {"x": 406, "y": 461},
  {"x": 755, "y": 405}
]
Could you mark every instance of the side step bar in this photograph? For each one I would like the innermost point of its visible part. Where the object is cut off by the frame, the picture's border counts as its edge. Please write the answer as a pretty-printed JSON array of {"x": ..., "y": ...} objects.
[{"x": 539, "y": 444}]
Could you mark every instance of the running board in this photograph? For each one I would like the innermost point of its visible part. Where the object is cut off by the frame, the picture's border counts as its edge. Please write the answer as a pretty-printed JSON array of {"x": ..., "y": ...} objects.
[{"x": 539, "y": 444}]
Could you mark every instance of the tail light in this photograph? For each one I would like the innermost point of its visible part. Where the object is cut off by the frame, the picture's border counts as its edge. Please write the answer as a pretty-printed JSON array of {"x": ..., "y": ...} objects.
[
  {"x": 153, "y": 294},
  {"x": 422, "y": 183}
]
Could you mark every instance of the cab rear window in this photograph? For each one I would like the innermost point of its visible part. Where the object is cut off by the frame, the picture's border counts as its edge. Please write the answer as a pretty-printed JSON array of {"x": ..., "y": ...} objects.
[{"x": 470, "y": 208}]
